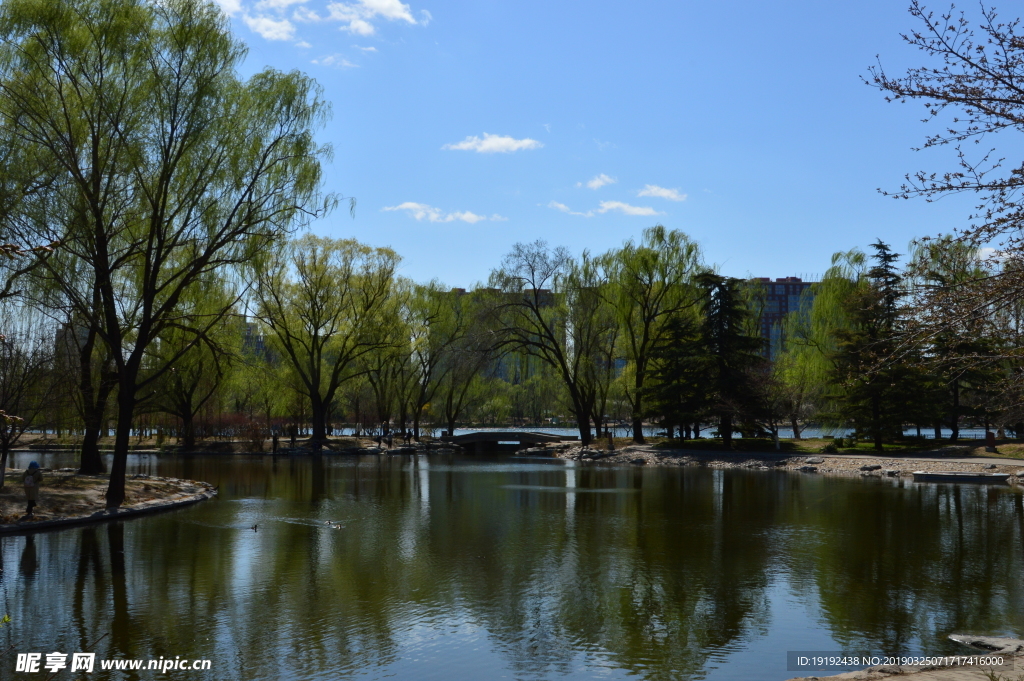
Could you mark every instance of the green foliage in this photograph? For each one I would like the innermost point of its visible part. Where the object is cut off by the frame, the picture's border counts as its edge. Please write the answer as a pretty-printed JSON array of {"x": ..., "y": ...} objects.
[
  {"x": 649, "y": 283},
  {"x": 328, "y": 305},
  {"x": 707, "y": 363}
]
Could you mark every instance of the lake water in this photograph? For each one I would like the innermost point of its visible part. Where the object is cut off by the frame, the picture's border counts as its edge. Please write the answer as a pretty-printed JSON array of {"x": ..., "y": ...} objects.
[{"x": 445, "y": 567}]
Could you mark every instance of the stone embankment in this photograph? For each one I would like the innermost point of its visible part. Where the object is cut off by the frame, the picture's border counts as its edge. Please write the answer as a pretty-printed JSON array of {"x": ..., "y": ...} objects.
[{"x": 863, "y": 465}]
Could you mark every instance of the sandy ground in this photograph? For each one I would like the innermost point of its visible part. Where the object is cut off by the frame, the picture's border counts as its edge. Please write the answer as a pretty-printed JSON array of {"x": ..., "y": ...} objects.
[{"x": 65, "y": 494}]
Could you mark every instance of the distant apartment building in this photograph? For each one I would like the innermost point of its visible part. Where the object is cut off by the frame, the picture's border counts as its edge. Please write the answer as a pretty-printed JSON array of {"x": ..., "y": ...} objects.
[
  {"x": 782, "y": 296},
  {"x": 254, "y": 343}
]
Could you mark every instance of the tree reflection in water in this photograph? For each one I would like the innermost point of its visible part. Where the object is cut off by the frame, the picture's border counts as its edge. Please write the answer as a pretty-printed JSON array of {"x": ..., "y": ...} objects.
[{"x": 412, "y": 566}]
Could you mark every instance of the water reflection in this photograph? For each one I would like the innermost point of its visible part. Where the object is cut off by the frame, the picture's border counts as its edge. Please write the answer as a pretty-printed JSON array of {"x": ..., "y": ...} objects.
[{"x": 421, "y": 567}]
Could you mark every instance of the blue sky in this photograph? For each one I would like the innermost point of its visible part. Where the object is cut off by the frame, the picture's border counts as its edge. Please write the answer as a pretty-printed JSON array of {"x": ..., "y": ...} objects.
[{"x": 464, "y": 127}]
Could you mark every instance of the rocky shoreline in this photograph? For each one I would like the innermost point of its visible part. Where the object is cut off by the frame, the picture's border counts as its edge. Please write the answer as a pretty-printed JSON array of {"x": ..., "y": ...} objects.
[{"x": 849, "y": 465}]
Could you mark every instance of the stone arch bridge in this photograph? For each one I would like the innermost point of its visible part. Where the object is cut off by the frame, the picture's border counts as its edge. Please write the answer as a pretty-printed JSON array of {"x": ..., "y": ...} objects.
[{"x": 504, "y": 440}]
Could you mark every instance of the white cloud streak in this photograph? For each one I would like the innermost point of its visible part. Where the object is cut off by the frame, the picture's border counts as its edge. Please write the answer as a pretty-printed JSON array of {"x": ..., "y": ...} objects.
[
  {"x": 272, "y": 19},
  {"x": 271, "y": 29},
  {"x": 606, "y": 207},
  {"x": 230, "y": 7},
  {"x": 625, "y": 208},
  {"x": 306, "y": 15},
  {"x": 600, "y": 181},
  {"x": 335, "y": 60},
  {"x": 276, "y": 4},
  {"x": 565, "y": 209},
  {"x": 357, "y": 17},
  {"x": 422, "y": 211},
  {"x": 493, "y": 144},
  {"x": 661, "y": 193}
]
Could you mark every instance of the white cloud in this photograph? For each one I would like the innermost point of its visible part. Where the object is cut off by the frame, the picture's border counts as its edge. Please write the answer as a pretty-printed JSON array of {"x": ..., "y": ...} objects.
[
  {"x": 422, "y": 211},
  {"x": 365, "y": 49},
  {"x": 273, "y": 19},
  {"x": 230, "y": 7},
  {"x": 335, "y": 60},
  {"x": 599, "y": 181},
  {"x": 491, "y": 144},
  {"x": 306, "y": 15},
  {"x": 626, "y": 209},
  {"x": 271, "y": 29},
  {"x": 661, "y": 193},
  {"x": 565, "y": 209},
  {"x": 389, "y": 9},
  {"x": 357, "y": 16},
  {"x": 276, "y": 4},
  {"x": 360, "y": 27},
  {"x": 303, "y": 44}
]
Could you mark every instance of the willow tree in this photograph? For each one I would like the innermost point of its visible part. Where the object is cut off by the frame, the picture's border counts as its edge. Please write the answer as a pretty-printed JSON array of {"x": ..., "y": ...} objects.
[
  {"x": 809, "y": 352},
  {"x": 649, "y": 283},
  {"x": 857, "y": 322},
  {"x": 197, "y": 369},
  {"x": 327, "y": 304},
  {"x": 549, "y": 306},
  {"x": 441, "y": 322},
  {"x": 167, "y": 165}
]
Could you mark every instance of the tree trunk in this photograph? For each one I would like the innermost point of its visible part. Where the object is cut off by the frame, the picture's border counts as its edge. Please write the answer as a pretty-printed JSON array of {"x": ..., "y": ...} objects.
[
  {"x": 725, "y": 430},
  {"x": 796, "y": 427},
  {"x": 122, "y": 441},
  {"x": 3, "y": 462},
  {"x": 876, "y": 426},
  {"x": 583, "y": 425},
  {"x": 94, "y": 407},
  {"x": 319, "y": 416},
  {"x": 91, "y": 460},
  {"x": 638, "y": 430},
  {"x": 637, "y": 405},
  {"x": 188, "y": 428},
  {"x": 954, "y": 416}
]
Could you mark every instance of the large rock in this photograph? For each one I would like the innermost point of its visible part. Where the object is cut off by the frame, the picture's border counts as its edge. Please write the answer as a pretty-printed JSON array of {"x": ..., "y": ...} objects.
[
  {"x": 871, "y": 467},
  {"x": 814, "y": 459},
  {"x": 808, "y": 469},
  {"x": 989, "y": 466}
]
